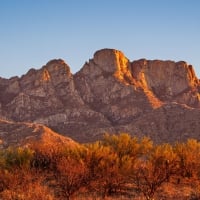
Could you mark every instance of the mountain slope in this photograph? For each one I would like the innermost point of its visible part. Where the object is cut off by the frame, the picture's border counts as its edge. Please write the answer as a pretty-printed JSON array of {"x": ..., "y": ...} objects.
[
  {"x": 26, "y": 134},
  {"x": 109, "y": 94}
]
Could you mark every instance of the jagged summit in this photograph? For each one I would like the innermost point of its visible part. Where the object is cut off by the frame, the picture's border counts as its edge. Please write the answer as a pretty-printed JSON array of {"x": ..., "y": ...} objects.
[
  {"x": 109, "y": 94},
  {"x": 51, "y": 71},
  {"x": 164, "y": 80},
  {"x": 110, "y": 60},
  {"x": 58, "y": 66}
]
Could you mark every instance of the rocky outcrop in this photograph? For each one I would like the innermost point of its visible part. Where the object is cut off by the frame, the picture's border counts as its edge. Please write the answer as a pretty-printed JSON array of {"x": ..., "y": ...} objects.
[
  {"x": 109, "y": 94},
  {"x": 169, "y": 81}
]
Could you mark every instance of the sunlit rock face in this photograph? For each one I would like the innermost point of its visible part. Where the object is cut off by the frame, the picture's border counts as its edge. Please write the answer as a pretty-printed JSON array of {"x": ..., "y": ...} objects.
[
  {"x": 168, "y": 80},
  {"x": 40, "y": 93},
  {"x": 109, "y": 94}
]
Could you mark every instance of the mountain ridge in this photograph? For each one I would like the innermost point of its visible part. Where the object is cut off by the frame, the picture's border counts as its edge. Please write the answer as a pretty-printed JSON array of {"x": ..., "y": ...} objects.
[
  {"x": 27, "y": 134},
  {"x": 110, "y": 94}
]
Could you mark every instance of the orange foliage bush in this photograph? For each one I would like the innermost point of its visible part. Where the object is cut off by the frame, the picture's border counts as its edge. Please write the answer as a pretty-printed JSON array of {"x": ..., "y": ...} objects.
[
  {"x": 24, "y": 185},
  {"x": 118, "y": 163}
]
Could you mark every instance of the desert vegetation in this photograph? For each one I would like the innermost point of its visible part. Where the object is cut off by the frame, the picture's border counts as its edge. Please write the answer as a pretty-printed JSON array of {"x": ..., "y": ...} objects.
[{"x": 118, "y": 167}]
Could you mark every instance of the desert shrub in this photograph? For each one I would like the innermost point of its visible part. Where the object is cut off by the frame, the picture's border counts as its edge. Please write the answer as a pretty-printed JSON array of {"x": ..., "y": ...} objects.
[
  {"x": 71, "y": 175},
  {"x": 105, "y": 169},
  {"x": 47, "y": 157},
  {"x": 149, "y": 173},
  {"x": 188, "y": 157},
  {"x": 24, "y": 184},
  {"x": 119, "y": 164},
  {"x": 4, "y": 180},
  {"x": 124, "y": 145},
  {"x": 17, "y": 157}
]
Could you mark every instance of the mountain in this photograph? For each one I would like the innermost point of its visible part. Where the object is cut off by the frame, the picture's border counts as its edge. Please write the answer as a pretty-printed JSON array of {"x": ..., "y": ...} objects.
[
  {"x": 159, "y": 99},
  {"x": 27, "y": 134}
]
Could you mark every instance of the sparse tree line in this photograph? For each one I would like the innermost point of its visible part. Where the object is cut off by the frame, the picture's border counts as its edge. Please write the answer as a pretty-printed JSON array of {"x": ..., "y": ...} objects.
[{"x": 117, "y": 165}]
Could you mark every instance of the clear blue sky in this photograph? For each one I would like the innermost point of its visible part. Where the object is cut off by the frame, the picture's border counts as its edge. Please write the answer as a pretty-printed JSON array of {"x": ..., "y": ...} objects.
[{"x": 32, "y": 32}]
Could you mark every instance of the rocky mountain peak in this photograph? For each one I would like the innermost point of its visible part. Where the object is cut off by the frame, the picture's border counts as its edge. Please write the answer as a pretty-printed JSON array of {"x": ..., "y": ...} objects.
[
  {"x": 110, "y": 60},
  {"x": 160, "y": 80},
  {"x": 109, "y": 94},
  {"x": 109, "y": 63},
  {"x": 55, "y": 70},
  {"x": 58, "y": 66},
  {"x": 166, "y": 79}
]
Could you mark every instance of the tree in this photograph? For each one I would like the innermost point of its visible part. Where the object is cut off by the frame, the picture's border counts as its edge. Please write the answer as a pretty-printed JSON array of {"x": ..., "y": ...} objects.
[
  {"x": 124, "y": 145},
  {"x": 188, "y": 157},
  {"x": 105, "y": 169},
  {"x": 70, "y": 176},
  {"x": 150, "y": 172}
]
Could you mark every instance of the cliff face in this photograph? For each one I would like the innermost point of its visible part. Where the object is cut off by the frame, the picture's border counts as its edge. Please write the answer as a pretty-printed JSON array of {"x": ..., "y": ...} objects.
[
  {"x": 109, "y": 94},
  {"x": 168, "y": 80}
]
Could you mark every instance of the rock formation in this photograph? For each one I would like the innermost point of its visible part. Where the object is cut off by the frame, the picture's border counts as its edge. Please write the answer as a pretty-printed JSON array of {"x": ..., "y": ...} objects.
[{"x": 111, "y": 94}]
